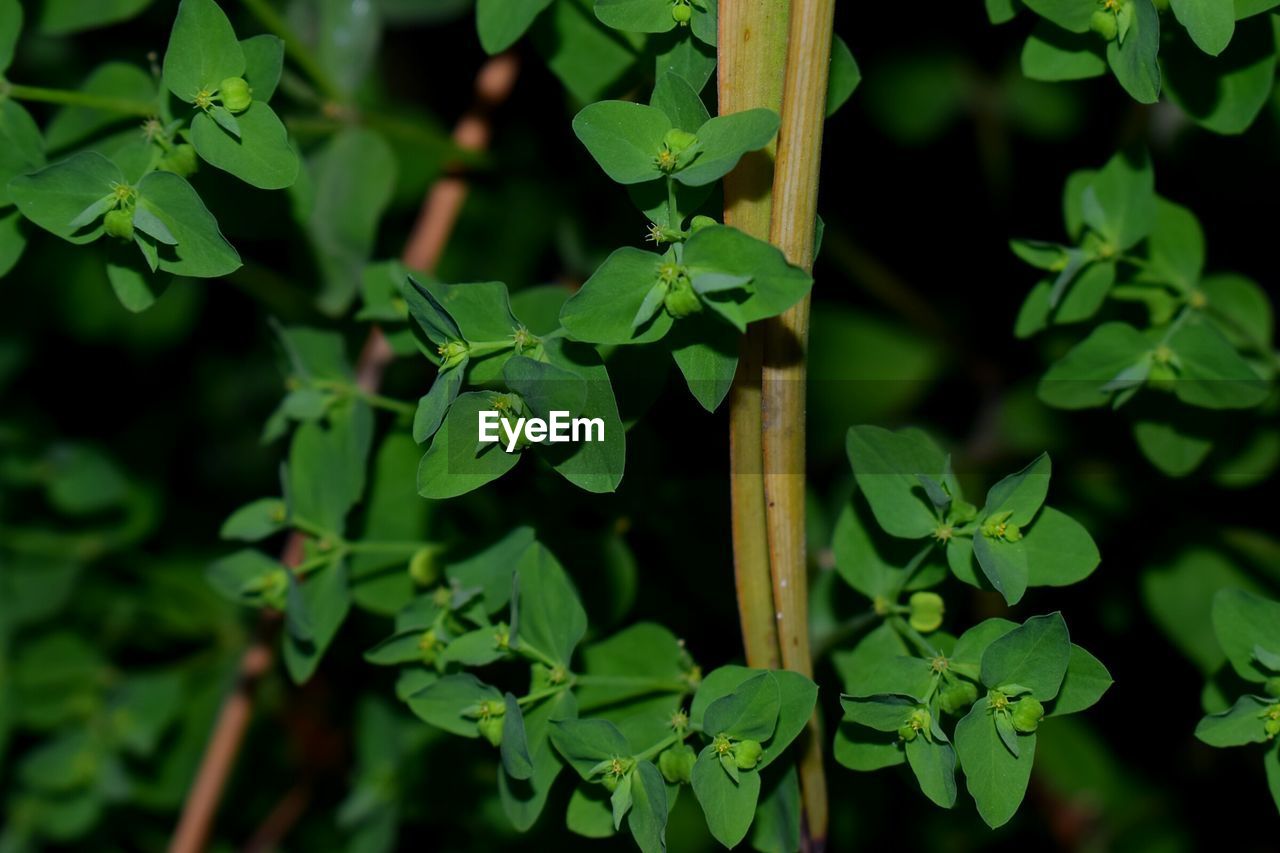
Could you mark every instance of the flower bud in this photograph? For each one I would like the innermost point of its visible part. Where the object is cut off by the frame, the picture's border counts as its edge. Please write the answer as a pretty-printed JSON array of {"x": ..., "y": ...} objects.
[
  {"x": 957, "y": 698},
  {"x": 1027, "y": 714},
  {"x": 119, "y": 223},
  {"x": 926, "y": 611},
  {"x": 1273, "y": 686},
  {"x": 491, "y": 730},
  {"x": 746, "y": 754},
  {"x": 1271, "y": 727},
  {"x": 610, "y": 782},
  {"x": 682, "y": 14},
  {"x": 1103, "y": 23},
  {"x": 678, "y": 140},
  {"x": 677, "y": 763},
  {"x": 681, "y": 300},
  {"x": 906, "y": 732},
  {"x": 180, "y": 159},
  {"x": 452, "y": 353},
  {"x": 424, "y": 566},
  {"x": 236, "y": 94},
  {"x": 699, "y": 222}
]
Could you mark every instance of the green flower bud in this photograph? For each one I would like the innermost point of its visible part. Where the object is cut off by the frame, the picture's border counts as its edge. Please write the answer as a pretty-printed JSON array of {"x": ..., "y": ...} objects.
[
  {"x": 682, "y": 14},
  {"x": 452, "y": 353},
  {"x": 424, "y": 566},
  {"x": 119, "y": 223},
  {"x": 1273, "y": 686},
  {"x": 1027, "y": 714},
  {"x": 1271, "y": 727},
  {"x": 681, "y": 300},
  {"x": 957, "y": 698},
  {"x": 746, "y": 754},
  {"x": 610, "y": 782},
  {"x": 236, "y": 94},
  {"x": 180, "y": 159},
  {"x": 906, "y": 732},
  {"x": 1103, "y": 23},
  {"x": 926, "y": 611},
  {"x": 491, "y": 730},
  {"x": 677, "y": 763},
  {"x": 699, "y": 222},
  {"x": 678, "y": 140}
]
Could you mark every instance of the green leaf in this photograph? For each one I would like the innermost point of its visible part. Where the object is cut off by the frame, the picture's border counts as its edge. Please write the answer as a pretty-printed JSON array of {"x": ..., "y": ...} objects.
[
  {"x": 201, "y": 250},
  {"x": 799, "y": 696},
  {"x": 1022, "y": 493},
  {"x": 21, "y": 147},
  {"x": 231, "y": 574},
  {"x": 1240, "y": 309},
  {"x": 750, "y": 712},
  {"x": 596, "y": 466},
  {"x": 547, "y": 616},
  {"x": 1134, "y": 62},
  {"x": 706, "y": 21},
  {"x": 1120, "y": 201},
  {"x": 1085, "y": 682},
  {"x": 973, "y": 644},
  {"x": 434, "y": 405},
  {"x": 1210, "y": 23},
  {"x": 636, "y": 16},
  {"x": 724, "y": 139},
  {"x": 353, "y": 178},
  {"x": 1001, "y": 11},
  {"x": 524, "y": 800},
  {"x": 1243, "y": 621},
  {"x": 624, "y": 138},
  {"x": 721, "y": 251},
  {"x": 1210, "y": 371},
  {"x": 585, "y": 743},
  {"x": 887, "y": 466},
  {"x": 589, "y": 813},
  {"x": 63, "y": 17},
  {"x": 263, "y": 64},
  {"x": 1071, "y": 15},
  {"x": 994, "y": 777},
  {"x": 327, "y": 465},
  {"x": 501, "y": 23},
  {"x": 707, "y": 354},
  {"x": 10, "y": 29},
  {"x": 1224, "y": 94},
  {"x": 729, "y": 806},
  {"x": 492, "y": 569},
  {"x": 1059, "y": 550},
  {"x": 862, "y": 749},
  {"x": 692, "y": 59},
  {"x": 454, "y": 464},
  {"x": 328, "y": 599},
  {"x": 55, "y": 195},
  {"x": 515, "y": 746},
  {"x": 1004, "y": 564},
  {"x": 262, "y": 157},
  {"x": 934, "y": 764},
  {"x": 883, "y": 713},
  {"x": 843, "y": 77},
  {"x": 1079, "y": 379},
  {"x": 1035, "y": 655},
  {"x": 648, "y": 816},
  {"x": 203, "y": 50},
  {"x": 255, "y": 521},
  {"x": 13, "y": 240},
  {"x": 1053, "y": 54},
  {"x": 1236, "y": 726},
  {"x": 1176, "y": 247},
  {"x": 677, "y": 99},
  {"x": 112, "y": 79},
  {"x": 589, "y": 58},
  {"x": 625, "y": 665},
  {"x": 451, "y": 703},
  {"x": 602, "y": 310},
  {"x": 348, "y": 35}
]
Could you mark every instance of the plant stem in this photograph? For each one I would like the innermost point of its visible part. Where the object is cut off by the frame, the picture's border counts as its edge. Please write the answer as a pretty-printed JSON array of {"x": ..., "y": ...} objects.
[
  {"x": 792, "y": 229},
  {"x": 751, "y": 53},
  {"x": 71, "y": 98},
  {"x": 294, "y": 47}
]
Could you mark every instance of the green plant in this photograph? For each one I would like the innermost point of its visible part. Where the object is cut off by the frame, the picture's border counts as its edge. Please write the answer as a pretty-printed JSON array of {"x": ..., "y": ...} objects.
[{"x": 441, "y": 670}]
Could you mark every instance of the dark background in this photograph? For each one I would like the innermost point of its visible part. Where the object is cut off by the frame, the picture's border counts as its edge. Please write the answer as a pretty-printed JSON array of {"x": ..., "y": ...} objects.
[{"x": 943, "y": 153}]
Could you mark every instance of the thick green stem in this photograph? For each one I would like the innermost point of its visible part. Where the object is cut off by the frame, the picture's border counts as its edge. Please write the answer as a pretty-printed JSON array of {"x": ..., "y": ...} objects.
[
  {"x": 783, "y": 379},
  {"x": 71, "y": 98},
  {"x": 751, "y": 54}
]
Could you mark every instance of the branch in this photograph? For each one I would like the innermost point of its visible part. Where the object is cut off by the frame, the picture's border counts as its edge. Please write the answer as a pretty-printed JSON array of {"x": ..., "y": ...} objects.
[
  {"x": 792, "y": 229},
  {"x": 430, "y": 234},
  {"x": 752, "y": 50}
]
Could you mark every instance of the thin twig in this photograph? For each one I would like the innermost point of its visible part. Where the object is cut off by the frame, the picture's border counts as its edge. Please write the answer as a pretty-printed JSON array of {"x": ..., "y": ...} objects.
[{"x": 425, "y": 245}]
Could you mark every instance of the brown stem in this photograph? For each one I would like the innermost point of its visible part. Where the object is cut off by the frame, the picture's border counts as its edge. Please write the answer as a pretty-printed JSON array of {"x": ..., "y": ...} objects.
[
  {"x": 752, "y": 49},
  {"x": 422, "y": 251},
  {"x": 792, "y": 229}
]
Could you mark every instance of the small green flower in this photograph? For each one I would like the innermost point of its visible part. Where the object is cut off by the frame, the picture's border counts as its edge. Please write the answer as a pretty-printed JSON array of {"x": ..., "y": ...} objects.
[{"x": 235, "y": 94}]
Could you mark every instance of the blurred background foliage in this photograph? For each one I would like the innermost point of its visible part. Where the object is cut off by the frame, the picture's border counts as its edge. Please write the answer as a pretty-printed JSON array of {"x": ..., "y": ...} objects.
[{"x": 126, "y": 439}]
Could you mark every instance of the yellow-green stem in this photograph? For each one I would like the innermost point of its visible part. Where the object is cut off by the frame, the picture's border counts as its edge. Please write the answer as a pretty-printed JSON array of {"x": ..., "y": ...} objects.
[
  {"x": 752, "y": 51},
  {"x": 795, "y": 205},
  {"x": 70, "y": 98}
]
